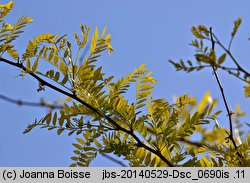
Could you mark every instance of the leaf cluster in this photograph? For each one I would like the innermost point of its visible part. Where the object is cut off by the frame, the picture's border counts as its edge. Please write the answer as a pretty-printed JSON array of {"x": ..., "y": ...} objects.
[
  {"x": 145, "y": 131},
  {"x": 207, "y": 58}
]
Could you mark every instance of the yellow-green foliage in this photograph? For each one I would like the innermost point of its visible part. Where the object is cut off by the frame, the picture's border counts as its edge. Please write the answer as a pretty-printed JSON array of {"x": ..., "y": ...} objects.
[
  {"x": 206, "y": 57},
  {"x": 142, "y": 131}
]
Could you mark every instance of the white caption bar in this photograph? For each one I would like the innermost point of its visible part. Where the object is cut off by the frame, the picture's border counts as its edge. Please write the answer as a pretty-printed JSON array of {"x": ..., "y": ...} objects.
[{"x": 110, "y": 175}]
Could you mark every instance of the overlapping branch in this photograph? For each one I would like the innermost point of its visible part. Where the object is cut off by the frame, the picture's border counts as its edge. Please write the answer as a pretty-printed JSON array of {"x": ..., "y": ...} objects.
[
  {"x": 44, "y": 83},
  {"x": 229, "y": 112},
  {"x": 42, "y": 103}
]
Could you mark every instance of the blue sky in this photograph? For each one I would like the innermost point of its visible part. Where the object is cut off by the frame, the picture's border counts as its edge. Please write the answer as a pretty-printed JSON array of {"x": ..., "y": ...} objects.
[{"x": 148, "y": 32}]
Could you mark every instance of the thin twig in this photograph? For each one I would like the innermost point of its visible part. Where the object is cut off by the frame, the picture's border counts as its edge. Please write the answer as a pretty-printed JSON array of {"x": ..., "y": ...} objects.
[
  {"x": 32, "y": 104},
  {"x": 227, "y": 69},
  {"x": 230, "y": 43},
  {"x": 229, "y": 112},
  {"x": 97, "y": 111},
  {"x": 114, "y": 160},
  {"x": 43, "y": 104},
  {"x": 230, "y": 54},
  {"x": 197, "y": 144}
]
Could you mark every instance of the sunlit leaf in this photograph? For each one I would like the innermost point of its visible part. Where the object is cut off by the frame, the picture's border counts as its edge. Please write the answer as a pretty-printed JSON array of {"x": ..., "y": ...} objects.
[
  {"x": 34, "y": 67},
  {"x": 222, "y": 58}
]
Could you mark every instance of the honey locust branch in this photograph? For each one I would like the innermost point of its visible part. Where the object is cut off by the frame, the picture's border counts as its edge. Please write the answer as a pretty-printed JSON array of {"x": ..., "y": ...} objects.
[
  {"x": 44, "y": 104},
  {"x": 73, "y": 96},
  {"x": 196, "y": 144},
  {"x": 114, "y": 160},
  {"x": 229, "y": 112},
  {"x": 229, "y": 53}
]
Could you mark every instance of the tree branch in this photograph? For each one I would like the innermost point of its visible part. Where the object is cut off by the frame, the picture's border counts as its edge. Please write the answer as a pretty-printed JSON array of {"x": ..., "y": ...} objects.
[
  {"x": 73, "y": 96},
  {"x": 229, "y": 112},
  {"x": 42, "y": 103},
  {"x": 114, "y": 160},
  {"x": 229, "y": 53},
  {"x": 197, "y": 144}
]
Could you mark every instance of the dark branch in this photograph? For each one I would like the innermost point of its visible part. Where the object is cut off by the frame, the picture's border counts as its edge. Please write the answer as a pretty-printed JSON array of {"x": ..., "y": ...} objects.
[
  {"x": 229, "y": 112},
  {"x": 230, "y": 54},
  {"x": 229, "y": 70},
  {"x": 197, "y": 144},
  {"x": 42, "y": 103},
  {"x": 114, "y": 160},
  {"x": 73, "y": 96}
]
